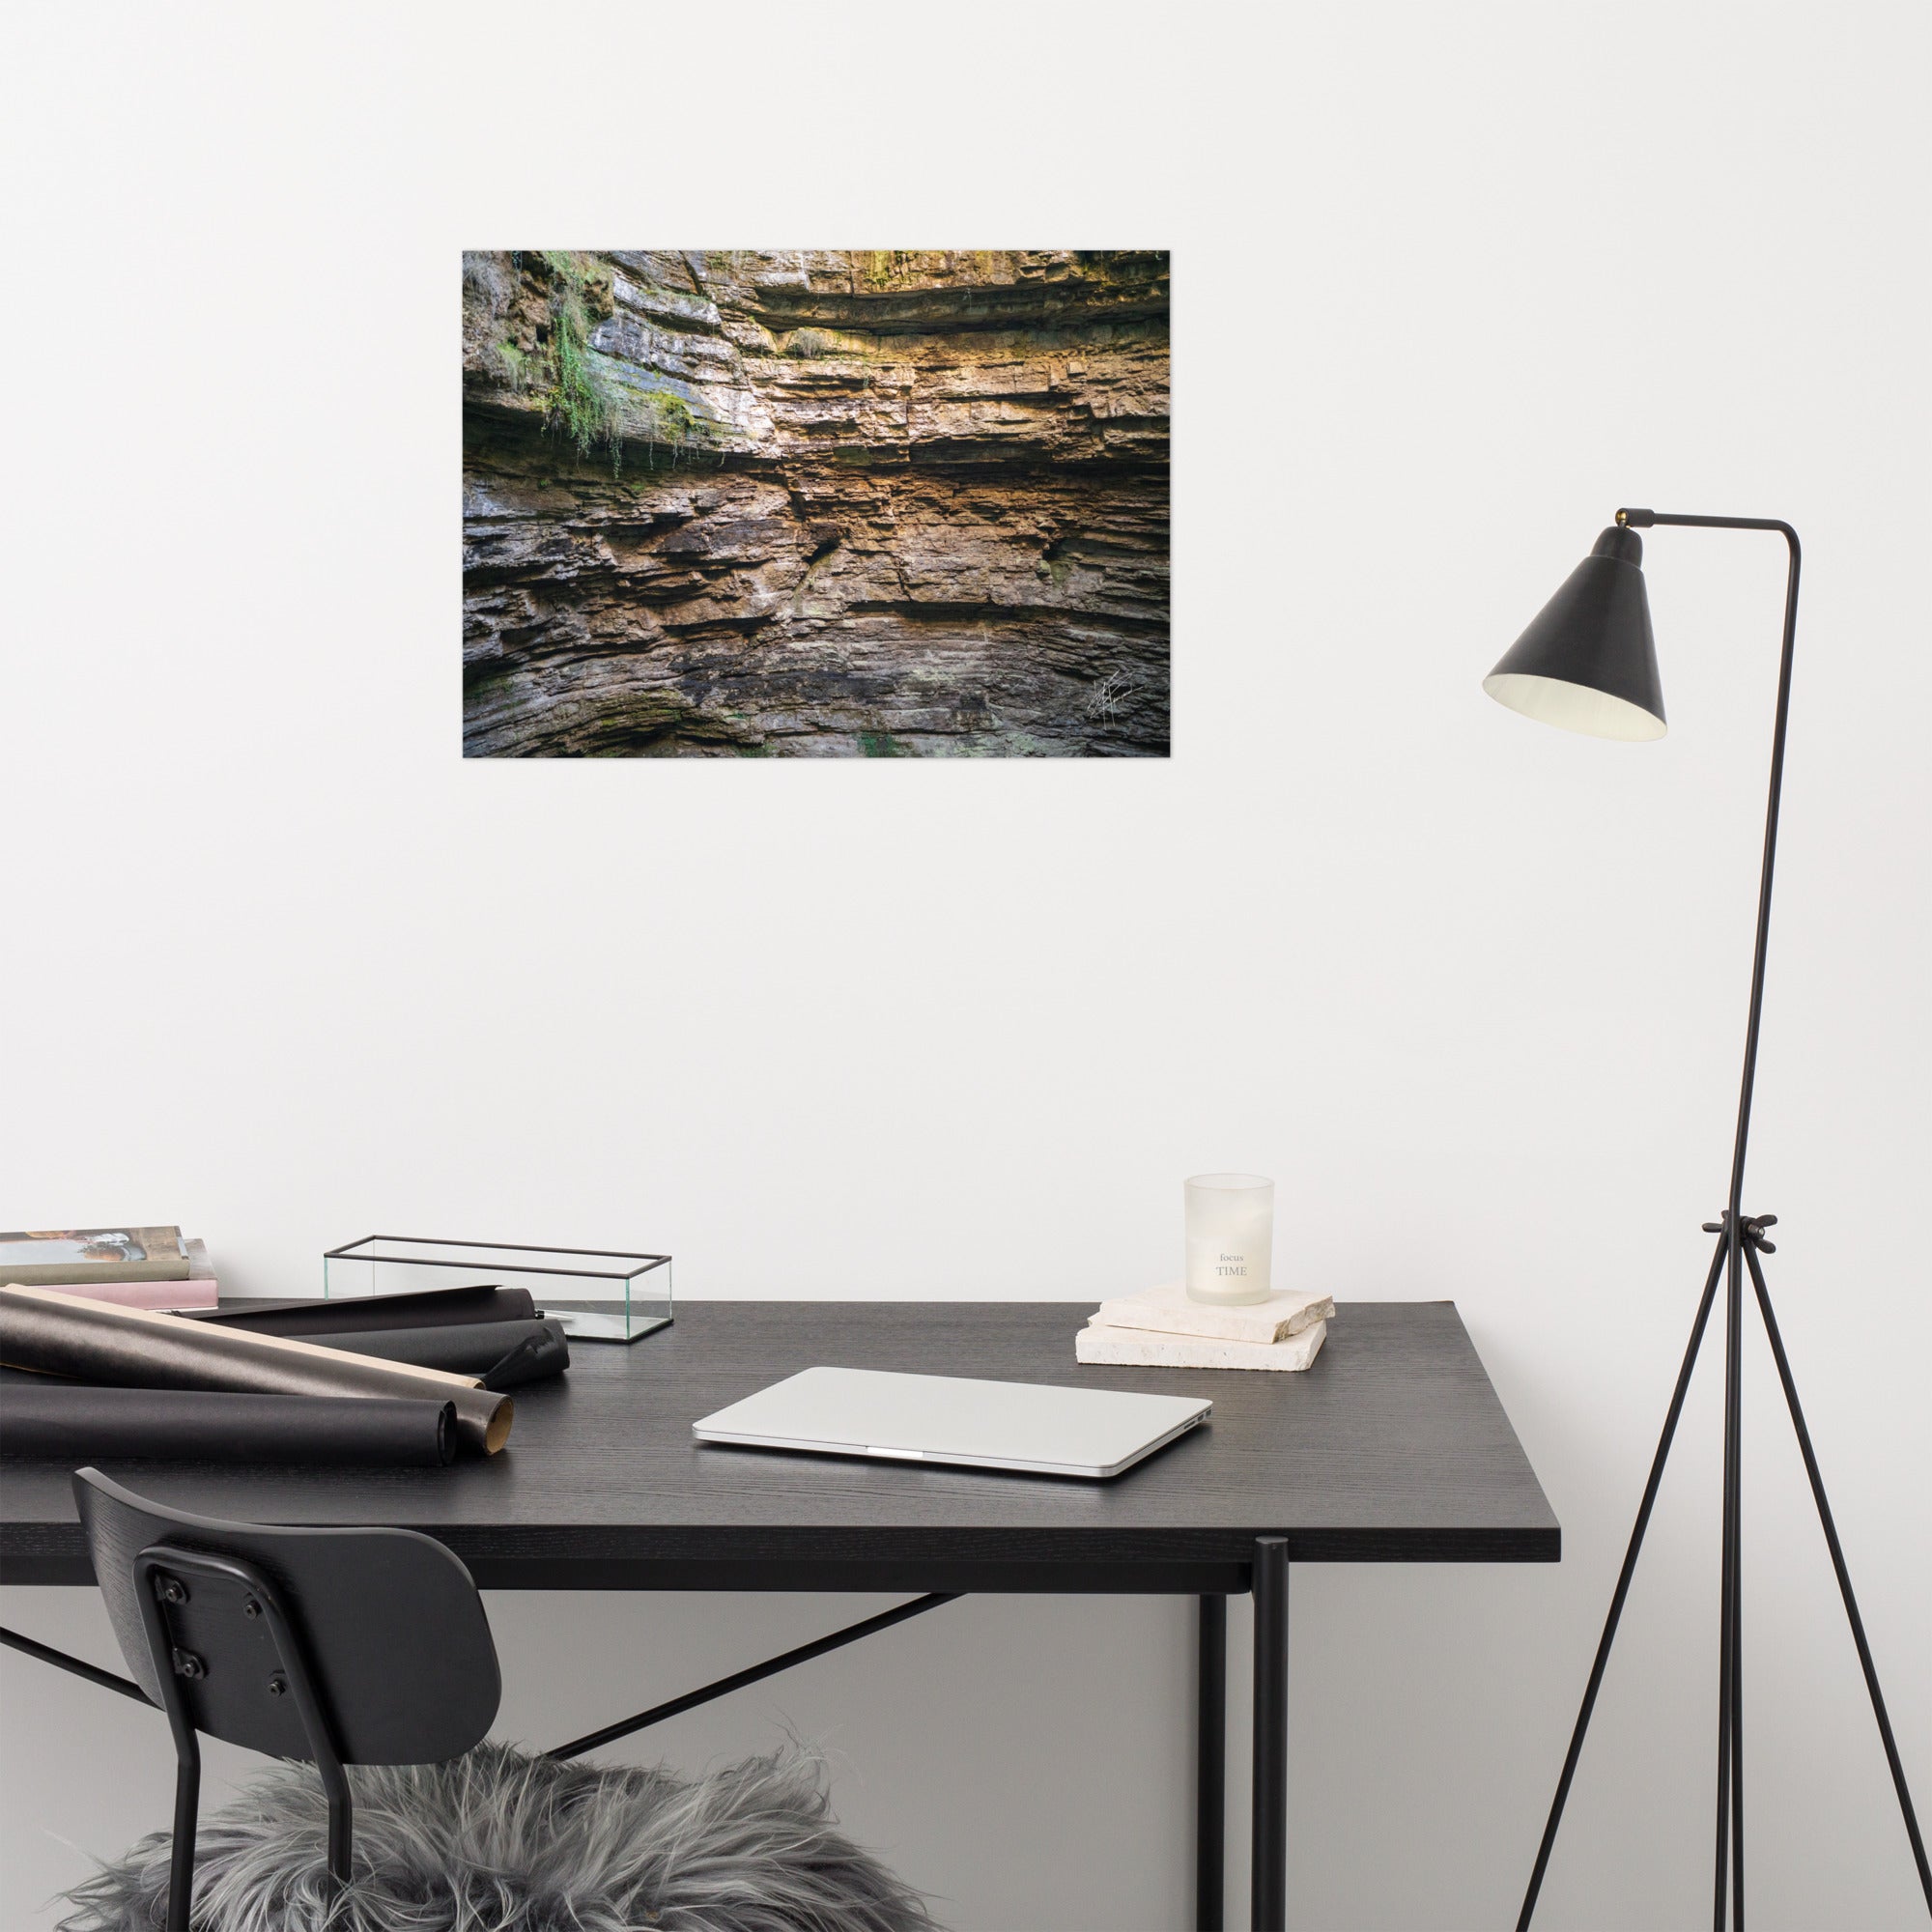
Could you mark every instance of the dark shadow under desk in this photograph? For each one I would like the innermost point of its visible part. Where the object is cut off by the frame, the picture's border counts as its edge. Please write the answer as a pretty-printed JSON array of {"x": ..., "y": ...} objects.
[{"x": 1392, "y": 1447}]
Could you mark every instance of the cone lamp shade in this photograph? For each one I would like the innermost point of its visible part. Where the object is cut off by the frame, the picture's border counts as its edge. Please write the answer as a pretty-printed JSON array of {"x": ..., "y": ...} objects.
[{"x": 1588, "y": 662}]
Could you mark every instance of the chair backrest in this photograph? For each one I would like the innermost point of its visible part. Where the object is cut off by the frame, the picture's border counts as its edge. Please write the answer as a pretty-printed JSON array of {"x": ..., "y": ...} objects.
[{"x": 391, "y": 1632}]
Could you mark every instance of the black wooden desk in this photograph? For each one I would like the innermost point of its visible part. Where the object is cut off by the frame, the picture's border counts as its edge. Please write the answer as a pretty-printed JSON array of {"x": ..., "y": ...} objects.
[{"x": 1391, "y": 1448}]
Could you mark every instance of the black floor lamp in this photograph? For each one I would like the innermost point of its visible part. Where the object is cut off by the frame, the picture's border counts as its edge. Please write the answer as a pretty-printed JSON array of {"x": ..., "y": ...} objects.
[{"x": 1587, "y": 662}]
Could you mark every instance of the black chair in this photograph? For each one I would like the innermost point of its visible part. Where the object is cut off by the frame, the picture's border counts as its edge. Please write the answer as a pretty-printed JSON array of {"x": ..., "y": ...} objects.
[{"x": 330, "y": 1646}]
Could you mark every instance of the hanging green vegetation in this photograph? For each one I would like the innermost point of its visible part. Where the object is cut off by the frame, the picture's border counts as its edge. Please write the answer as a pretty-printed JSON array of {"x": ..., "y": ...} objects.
[
  {"x": 578, "y": 406},
  {"x": 583, "y": 405}
]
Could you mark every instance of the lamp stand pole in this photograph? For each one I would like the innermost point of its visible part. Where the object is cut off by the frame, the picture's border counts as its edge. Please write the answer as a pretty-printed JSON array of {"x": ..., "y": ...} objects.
[{"x": 1741, "y": 1239}]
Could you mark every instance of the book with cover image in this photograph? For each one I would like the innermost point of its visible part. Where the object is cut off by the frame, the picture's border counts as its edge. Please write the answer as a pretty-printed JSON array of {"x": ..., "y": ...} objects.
[{"x": 57, "y": 1255}]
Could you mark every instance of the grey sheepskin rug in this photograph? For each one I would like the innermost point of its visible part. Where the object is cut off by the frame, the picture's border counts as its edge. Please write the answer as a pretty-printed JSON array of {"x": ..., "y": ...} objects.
[{"x": 499, "y": 1842}]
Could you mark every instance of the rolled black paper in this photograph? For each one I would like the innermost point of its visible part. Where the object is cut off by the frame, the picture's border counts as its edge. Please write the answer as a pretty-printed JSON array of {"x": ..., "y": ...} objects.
[
  {"x": 466, "y": 1347},
  {"x": 138, "y": 1348},
  {"x": 363, "y": 1314},
  {"x": 72, "y": 1424},
  {"x": 524, "y": 1363}
]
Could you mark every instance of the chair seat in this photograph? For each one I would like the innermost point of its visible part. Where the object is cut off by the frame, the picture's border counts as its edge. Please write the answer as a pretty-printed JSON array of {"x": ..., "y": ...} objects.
[{"x": 499, "y": 1841}]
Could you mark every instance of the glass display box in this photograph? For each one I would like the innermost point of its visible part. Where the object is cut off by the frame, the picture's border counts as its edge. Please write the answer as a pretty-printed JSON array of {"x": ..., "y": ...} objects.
[{"x": 598, "y": 1295}]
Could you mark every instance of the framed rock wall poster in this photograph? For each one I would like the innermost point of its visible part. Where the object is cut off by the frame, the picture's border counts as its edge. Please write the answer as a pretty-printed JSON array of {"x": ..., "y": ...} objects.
[{"x": 816, "y": 503}]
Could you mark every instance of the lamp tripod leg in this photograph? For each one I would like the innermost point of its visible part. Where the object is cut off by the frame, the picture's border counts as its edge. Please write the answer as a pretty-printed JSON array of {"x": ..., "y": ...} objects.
[
  {"x": 1729, "y": 1880},
  {"x": 1736, "y": 1455},
  {"x": 1622, "y": 1590},
  {"x": 1843, "y": 1575}
]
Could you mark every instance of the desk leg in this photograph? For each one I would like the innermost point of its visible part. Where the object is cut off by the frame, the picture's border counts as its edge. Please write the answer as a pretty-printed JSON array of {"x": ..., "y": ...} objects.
[
  {"x": 1269, "y": 1893},
  {"x": 1211, "y": 1767}
]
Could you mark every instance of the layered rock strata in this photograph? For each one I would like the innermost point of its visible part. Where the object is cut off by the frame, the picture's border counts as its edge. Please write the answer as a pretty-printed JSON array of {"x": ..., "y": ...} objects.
[{"x": 815, "y": 505}]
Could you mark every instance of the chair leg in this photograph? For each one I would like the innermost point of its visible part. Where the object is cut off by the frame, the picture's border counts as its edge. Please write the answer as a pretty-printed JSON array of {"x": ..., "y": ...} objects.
[
  {"x": 341, "y": 1825},
  {"x": 180, "y": 1864}
]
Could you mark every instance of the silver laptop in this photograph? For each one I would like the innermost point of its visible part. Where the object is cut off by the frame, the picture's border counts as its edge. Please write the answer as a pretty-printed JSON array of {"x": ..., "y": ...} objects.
[{"x": 1044, "y": 1431}]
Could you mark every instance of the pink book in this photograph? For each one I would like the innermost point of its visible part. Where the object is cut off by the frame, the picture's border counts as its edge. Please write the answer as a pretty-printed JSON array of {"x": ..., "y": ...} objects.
[{"x": 161, "y": 1295}]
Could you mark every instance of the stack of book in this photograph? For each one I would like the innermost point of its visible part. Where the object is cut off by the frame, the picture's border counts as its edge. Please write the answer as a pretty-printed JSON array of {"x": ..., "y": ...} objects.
[
  {"x": 1162, "y": 1328},
  {"x": 131, "y": 1267}
]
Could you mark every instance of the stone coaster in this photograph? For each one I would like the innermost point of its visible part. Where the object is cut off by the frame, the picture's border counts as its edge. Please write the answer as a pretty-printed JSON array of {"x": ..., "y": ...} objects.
[
  {"x": 1167, "y": 1310},
  {"x": 1142, "y": 1348}
]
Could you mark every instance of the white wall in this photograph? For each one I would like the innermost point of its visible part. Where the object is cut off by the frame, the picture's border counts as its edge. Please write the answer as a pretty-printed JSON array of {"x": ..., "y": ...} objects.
[{"x": 1451, "y": 284}]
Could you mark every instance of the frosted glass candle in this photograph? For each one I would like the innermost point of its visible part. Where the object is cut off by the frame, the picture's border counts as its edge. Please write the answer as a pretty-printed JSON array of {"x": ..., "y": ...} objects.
[{"x": 1230, "y": 1237}]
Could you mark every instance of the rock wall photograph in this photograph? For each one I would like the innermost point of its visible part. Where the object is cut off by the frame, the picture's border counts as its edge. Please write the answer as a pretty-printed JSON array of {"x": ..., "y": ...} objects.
[{"x": 816, "y": 503}]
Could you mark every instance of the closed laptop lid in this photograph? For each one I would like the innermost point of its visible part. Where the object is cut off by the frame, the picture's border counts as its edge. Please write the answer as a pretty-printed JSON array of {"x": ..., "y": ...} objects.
[{"x": 954, "y": 1419}]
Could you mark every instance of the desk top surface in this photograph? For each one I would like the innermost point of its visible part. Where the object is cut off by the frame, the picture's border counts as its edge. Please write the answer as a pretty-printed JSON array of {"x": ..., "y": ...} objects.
[{"x": 1392, "y": 1446}]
